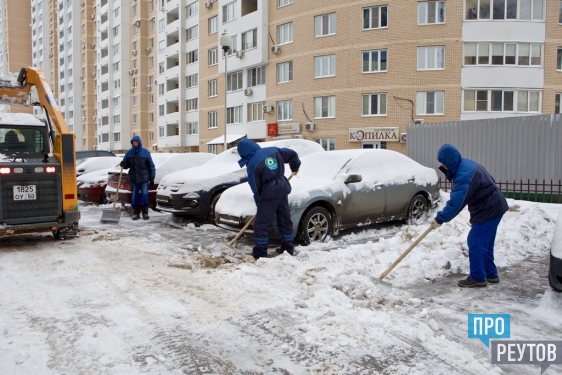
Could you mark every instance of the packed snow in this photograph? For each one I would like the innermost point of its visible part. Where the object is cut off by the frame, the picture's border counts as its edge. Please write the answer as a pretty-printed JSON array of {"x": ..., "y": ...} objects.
[
  {"x": 164, "y": 296},
  {"x": 95, "y": 164}
]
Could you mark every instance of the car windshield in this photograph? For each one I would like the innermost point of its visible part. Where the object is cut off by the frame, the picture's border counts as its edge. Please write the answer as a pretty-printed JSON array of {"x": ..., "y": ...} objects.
[
  {"x": 14, "y": 140},
  {"x": 323, "y": 165}
]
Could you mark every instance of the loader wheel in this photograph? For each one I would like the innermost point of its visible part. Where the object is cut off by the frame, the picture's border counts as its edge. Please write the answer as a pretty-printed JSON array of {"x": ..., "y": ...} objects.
[
  {"x": 66, "y": 233},
  {"x": 212, "y": 218},
  {"x": 316, "y": 226},
  {"x": 417, "y": 209}
]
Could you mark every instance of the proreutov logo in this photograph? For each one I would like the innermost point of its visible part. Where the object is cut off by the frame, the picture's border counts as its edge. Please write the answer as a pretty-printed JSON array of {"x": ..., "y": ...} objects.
[{"x": 487, "y": 326}]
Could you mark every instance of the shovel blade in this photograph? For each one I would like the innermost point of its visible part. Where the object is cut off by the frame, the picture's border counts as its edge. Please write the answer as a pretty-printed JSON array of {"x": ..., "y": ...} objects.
[
  {"x": 110, "y": 217},
  {"x": 383, "y": 286}
]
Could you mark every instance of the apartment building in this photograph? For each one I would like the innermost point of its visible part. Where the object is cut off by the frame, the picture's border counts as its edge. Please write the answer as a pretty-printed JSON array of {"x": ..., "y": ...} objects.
[
  {"x": 15, "y": 42},
  {"x": 44, "y": 45}
]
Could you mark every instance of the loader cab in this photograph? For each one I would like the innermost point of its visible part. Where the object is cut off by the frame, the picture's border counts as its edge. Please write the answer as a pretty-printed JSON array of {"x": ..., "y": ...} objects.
[{"x": 17, "y": 139}]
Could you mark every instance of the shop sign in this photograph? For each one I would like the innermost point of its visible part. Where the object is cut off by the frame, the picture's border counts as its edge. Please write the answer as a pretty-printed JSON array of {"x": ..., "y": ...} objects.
[{"x": 374, "y": 134}]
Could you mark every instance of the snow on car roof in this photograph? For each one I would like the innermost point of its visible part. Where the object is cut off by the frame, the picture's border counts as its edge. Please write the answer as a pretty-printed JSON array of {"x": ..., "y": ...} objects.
[
  {"x": 97, "y": 163},
  {"x": 21, "y": 119}
]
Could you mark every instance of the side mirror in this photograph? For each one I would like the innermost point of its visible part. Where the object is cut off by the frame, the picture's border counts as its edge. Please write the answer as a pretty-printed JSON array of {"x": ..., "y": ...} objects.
[{"x": 353, "y": 178}]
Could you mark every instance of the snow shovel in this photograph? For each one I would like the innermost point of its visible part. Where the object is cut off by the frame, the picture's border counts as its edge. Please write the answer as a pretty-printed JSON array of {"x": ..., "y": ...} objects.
[
  {"x": 383, "y": 275},
  {"x": 112, "y": 216},
  {"x": 251, "y": 221}
]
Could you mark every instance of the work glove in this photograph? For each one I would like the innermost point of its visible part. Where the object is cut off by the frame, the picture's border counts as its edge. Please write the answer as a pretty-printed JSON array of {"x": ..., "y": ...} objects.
[
  {"x": 122, "y": 164},
  {"x": 151, "y": 181},
  {"x": 295, "y": 173},
  {"x": 435, "y": 224}
]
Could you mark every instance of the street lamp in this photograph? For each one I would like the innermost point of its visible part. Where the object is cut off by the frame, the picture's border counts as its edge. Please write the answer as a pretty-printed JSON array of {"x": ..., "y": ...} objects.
[{"x": 225, "y": 42}]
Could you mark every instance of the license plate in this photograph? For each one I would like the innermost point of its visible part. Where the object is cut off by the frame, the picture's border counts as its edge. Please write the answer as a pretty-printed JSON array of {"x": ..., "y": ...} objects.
[{"x": 24, "y": 192}]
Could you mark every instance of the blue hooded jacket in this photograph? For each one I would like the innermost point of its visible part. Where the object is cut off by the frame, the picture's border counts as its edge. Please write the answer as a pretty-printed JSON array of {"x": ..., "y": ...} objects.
[
  {"x": 266, "y": 169},
  {"x": 139, "y": 162},
  {"x": 472, "y": 186}
]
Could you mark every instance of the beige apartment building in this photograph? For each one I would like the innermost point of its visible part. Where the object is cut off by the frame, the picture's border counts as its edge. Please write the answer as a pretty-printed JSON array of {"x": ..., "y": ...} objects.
[
  {"x": 357, "y": 73},
  {"x": 15, "y": 42}
]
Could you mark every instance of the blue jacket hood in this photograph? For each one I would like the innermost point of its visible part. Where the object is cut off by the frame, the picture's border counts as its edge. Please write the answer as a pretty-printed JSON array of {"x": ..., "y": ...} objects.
[
  {"x": 246, "y": 149},
  {"x": 136, "y": 138},
  {"x": 450, "y": 157}
]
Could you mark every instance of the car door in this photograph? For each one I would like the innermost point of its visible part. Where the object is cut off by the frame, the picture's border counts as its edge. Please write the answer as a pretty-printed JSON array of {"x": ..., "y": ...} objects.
[{"x": 398, "y": 197}]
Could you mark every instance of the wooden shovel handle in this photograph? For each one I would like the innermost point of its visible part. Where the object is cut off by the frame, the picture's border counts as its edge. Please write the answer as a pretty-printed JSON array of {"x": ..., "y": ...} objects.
[
  {"x": 117, "y": 192},
  {"x": 251, "y": 220},
  {"x": 383, "y": 275}
]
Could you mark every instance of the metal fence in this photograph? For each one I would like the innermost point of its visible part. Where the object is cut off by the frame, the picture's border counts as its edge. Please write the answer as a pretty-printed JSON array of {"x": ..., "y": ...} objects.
[
  {"x": 511, "y": 149},
  {"x": 535, "y": 191}
]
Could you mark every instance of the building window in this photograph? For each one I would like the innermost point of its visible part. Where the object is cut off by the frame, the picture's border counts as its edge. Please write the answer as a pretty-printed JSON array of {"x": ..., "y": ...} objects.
[
  {"x": 504, "y": 10},
  {"x": 234, "y": 81},
  {"x": 161, "y": 132},
  {"x": 501, "y": 100},
  {"x": 135, "y": 101},
  {"x": 161, "y": 46},
  {"x": 116, "y": 13},
  {"x": 192, "y": 57},
  {"x": 431, "y": 12},
  {"x": 256, "y": 76},
  {"x": 212, "y": 88},
  {"x": 229, "y": 12},
  {"x": 374, "y": 104},
  {"x": 134, "y": 11},
  {"x": 213, "y": 149},
  {"x": 192, "y": 128},
  {"x": 375, "y": 17},
  {"x": 559, "y": 59},
  {"x": 117, "y": 83},
  {"x": 161, "y": 110},
  {"x": 116, "y": 30},
  {"x": 431, "y": 58},
  {"x": 255, "y": 112},
  {"x": 192, "y": 9},
  {"x": 285, "y": 72},
  {"x": 234, "y": 115},
  {"x": 430, "y": 103},
  {"x": 192, "y": 80},
  {"x": 324, "y": 66},
  {"x": 213, "y": 25},
  {"x": 329, "y": 144},
  {"x": 249, "y": 39},
  {"x": 192, "y": 32},
  {"x": 151, "y": 99},
  {"x": 557, "y": 103},
  {"x": 191, "y": 105},
  {"x": 116, "y": 66},
  {"x": 151, "y": 117},
  {"x": 212, "y": 120},
  {"x": 521, "y": 54},
  {"x": 285, "y": 33},
  {"x": 161, "y": 25},
  {"x": 116, "y": 48},
  {"x": 282, "y": 3},
  {"x": 117, "y": 119},
  {"x": 161, "y": 89},
  {"x": 374, "y": 61},
  {"x": 285, "y": 110},
  {"x": 213, "y": 60},
  {"x": 325, "y": 25},
  {"x": 135, "y": 116},
  {"x": 116, "y": 101},
  {"x": 325, "y": 107}
]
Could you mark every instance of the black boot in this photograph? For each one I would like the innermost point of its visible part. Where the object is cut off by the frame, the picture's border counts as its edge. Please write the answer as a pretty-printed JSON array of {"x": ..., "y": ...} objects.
[
  {"x": 136, "y": 213},
  {"x": 145, "y": 213}
]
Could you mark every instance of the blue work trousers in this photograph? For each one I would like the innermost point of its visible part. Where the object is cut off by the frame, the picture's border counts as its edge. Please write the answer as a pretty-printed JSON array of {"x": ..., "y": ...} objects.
[
  {"x": 480, "y": 241},
  {"x": 140, "y": 194},
  {"x": 267, "y": 209}
]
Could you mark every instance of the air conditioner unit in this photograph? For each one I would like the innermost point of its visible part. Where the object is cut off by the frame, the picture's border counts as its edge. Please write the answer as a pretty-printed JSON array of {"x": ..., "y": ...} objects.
[
  {"x": 132, "y": 89},
  {"x": 298, "y": 136},
  {"x": 51, "y": 55},
  {"x": 239, "y": 54},
  {"x": 94, "y": 117},
  {"x": 148, "y": 49},
  {"x": 418, "y": 121},
  {"x": 93, "y": 16},
  {"x": 83, "y": 46},
  {"x": 93, "y": 45},
  {"x": 208, "y": 4},
  {"x": 83, "y": 118},
  {"x": 83, "y": 3},
  {"x": 155, "y": 81},
  {"x": 268, "y": 108},
  {"x": 131, "y": 72},
  {"x": 135, "y": 70},
  {"x": 137, "y": 23},
  {"x": 248, "y": 91},
  {"x": 134, "y": 52},
  {"x": 51, "y": 31},
  {"x": 81, "y": 76},
  {"x": 82, "y": 105},
  {"x": 275, "y": 49},
  {"x": 403, "y": 137},
  {"x": 93, "y": 74},
  {"x": 162, "y": 9},
  {"x": 148, "y": 87},
  {"x": 309, "y": 126}
]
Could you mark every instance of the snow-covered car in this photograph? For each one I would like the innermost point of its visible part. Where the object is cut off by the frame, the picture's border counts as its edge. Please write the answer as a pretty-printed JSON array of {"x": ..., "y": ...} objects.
[
  {"x": 83, "y": 155},
  {"x": 96, "y": 163},
  {"x": 165, "y": 164},
  {"x": 342, "y": 189},
  {"x": 194, "y": 193},
  {"x": 555, "y": 266}
]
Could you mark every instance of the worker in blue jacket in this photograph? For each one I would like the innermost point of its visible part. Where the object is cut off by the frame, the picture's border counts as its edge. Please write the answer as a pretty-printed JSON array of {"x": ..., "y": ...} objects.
[
  {"x": 141, "y": 174},
  {"x": 475, "y": 187},
  {"x": 266, "y": 176}
]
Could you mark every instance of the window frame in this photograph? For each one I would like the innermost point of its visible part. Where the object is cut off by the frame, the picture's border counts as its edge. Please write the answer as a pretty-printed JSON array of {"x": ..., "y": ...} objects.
[
  {"x": 379, "y": 61},
  {"x": 288, "y": 110},
  {"x": 289, "y": 72},
  {"x": 378, "y": 114},
  {"x": 422, "y": 101},
  {"x": 320, "y": 60},
  {"x": 370, "y": 18},
  {"x": 283, "y": 39},
  {"x": 324, "y": 101},
  {"x": 319, "y": 25},
  {"x": 426, "y": 11},
  {"x": 435, "y": 52}
]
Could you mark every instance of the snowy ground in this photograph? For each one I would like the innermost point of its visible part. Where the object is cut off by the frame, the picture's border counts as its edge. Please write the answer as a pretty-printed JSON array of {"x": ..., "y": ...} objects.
[{"x": 167, "y": 297}]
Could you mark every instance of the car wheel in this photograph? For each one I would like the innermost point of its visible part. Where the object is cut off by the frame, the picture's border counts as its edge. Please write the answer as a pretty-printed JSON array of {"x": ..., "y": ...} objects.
[
  {"x": 212, "y": 205},
  {"x": 553, "y": 287},
  {"x": 418, "y": 208},
  {"x": 316, "y": 226}
]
